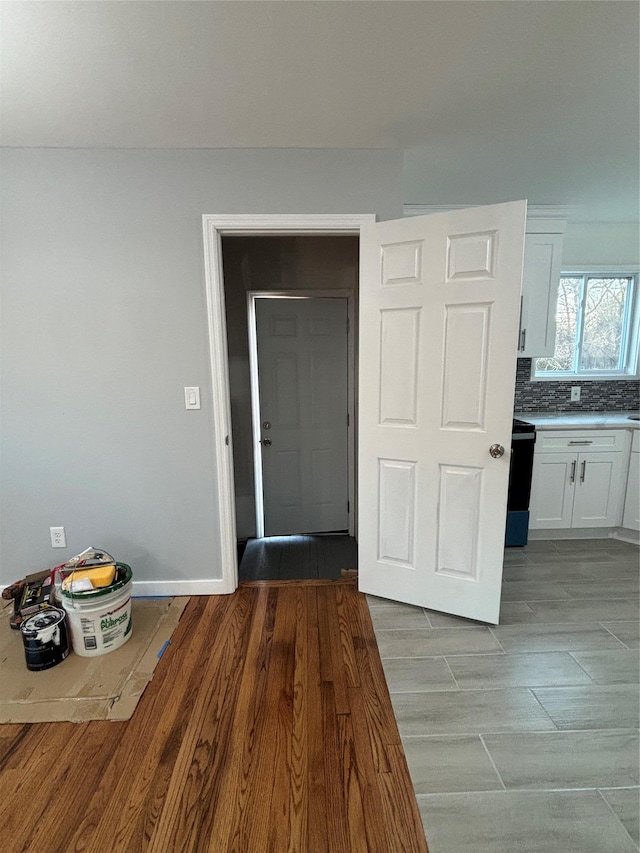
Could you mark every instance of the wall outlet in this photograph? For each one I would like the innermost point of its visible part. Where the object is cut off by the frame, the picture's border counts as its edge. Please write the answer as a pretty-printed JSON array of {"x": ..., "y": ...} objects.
[
  {"x": 575, "y": 393},
  {"x": 58, "y": 537}
]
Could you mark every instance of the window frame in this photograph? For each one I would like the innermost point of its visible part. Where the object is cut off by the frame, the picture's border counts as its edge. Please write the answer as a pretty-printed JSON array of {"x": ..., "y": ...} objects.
[{"x": 630, "y": 331}]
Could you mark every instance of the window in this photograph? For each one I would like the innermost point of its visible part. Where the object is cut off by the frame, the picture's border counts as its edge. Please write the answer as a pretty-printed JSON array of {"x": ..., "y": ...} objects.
[{"x": 594, "y": 328}]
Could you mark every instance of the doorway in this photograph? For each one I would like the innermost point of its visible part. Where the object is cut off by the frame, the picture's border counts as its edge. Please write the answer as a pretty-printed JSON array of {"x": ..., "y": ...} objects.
[
  {"x": 423, "y": 446},
  {"x": 290, "y": 310}
]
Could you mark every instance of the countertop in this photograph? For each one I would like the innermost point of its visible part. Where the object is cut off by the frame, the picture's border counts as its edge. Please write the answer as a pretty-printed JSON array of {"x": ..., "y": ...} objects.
[{"x": 579, "y": 420}]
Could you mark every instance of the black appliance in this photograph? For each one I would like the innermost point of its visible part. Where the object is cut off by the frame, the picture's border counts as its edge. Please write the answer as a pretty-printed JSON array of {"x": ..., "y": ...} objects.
[{"x": 523, "y": 439}]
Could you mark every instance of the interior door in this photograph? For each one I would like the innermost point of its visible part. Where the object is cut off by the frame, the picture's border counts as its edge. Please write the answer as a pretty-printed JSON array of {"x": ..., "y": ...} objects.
[
  {"x": 439, "y": 310},
  {"x": 302, "y": 370}
]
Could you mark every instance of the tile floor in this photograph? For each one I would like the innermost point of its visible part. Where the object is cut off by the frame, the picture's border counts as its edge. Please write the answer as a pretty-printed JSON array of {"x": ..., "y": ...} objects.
[{"x": 524, "y": 737}]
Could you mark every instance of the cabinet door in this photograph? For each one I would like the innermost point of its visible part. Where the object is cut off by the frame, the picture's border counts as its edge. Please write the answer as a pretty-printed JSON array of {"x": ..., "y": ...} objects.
[
  {"x": 541, "y": 276},
  {"x": 599, "y": 490},
  {"x": 552, "y": 490},
  {"x": 631, "y": 517}
]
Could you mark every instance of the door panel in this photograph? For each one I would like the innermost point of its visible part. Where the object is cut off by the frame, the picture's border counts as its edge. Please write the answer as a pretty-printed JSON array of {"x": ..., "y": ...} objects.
[
  {"x": 439, "y": 310},
  {"x": 552, "y": 490},
  {"x": 302, "y": 372},
  {"x": 597, "y": 501}
]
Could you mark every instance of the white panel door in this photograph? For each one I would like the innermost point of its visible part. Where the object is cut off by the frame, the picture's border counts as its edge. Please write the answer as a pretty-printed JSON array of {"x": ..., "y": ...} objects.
[
  {"x": 599, "y": 490},
  {"x": 302, "y": 369},
  {"x": 439, "y": 309},
  {"x": 552, "y": 489}
]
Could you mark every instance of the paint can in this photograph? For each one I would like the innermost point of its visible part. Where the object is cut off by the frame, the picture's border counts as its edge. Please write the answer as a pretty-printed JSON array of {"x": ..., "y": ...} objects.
[
  {"x": 45, "y": 638},
  {"x": 100, "y": 619}
]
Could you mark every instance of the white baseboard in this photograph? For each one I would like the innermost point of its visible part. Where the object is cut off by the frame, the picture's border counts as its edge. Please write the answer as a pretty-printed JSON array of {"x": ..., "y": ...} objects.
[
  {"x": 622, "y": 533},
  {"x": 214, "y": 586},
  {"x": 572, "y": 533},
  {"x": 160, "y": 589}
]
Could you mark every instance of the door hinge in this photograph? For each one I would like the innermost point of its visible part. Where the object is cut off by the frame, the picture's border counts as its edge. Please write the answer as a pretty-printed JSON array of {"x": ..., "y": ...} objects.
[
  {"x": 348, "y": 507},
  {"x": 348, "y": 419}
]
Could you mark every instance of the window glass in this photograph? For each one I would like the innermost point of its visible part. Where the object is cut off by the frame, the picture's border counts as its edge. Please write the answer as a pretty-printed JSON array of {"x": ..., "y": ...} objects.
[
  {"x": 604, "y": 311},
  {"x": 593, "y": 327},
  {"x": 569, "y": 293}
]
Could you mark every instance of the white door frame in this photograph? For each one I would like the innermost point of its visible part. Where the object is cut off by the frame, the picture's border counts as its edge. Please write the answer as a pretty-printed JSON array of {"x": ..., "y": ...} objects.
[
  {"x": 349, "y": 295},
  {"x": 214, "y": 227}
]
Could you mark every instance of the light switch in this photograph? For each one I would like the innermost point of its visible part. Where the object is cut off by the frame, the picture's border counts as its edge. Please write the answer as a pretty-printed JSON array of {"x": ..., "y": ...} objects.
[{"x": 192, "y": 397}]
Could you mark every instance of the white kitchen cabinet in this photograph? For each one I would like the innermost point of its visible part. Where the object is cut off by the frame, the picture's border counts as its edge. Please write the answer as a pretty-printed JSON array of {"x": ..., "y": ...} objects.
[
  {"x": 631, "y": 515},
  {"x": 578, "y": 479},
  {"x": 552, "y": 490},
  {"x": 541, "y": 276}
]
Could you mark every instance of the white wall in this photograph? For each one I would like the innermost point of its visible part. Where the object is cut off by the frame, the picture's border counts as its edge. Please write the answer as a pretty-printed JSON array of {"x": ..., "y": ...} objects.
[
  {"x": 103, "y": 323},
  {"x": 600, "y": 244}
]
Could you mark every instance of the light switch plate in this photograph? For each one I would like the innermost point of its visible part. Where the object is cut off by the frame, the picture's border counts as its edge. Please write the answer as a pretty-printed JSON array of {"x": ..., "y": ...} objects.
[
  {"x": 575, "y": 393},
  {"x": 192, "y": 397}
]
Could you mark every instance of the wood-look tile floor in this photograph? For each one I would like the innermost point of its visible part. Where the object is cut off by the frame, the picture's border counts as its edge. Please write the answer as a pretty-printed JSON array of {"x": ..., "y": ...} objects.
[
  {"x": 304, "y": 557},
  {"x": 267, "y": 727},
  {"x": 524, "y": 737}
]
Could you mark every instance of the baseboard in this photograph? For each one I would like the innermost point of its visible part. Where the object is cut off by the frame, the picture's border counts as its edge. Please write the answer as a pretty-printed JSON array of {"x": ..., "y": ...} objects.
[
  {"x": 573, "y": 533},
  {"x": 624, "y": 534},
  {"x": 621, "y": 533},
  {"x": 160, "y": 589},
  {"x": 213, "y": 586}
]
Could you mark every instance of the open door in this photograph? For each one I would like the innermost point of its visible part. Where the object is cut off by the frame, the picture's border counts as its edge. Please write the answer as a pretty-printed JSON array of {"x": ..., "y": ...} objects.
[{"x": 439, "y": 311}]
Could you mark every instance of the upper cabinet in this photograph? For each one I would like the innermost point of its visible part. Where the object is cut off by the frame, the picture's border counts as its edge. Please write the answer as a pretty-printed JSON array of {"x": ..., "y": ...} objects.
[{"x": 541, "y": 276}]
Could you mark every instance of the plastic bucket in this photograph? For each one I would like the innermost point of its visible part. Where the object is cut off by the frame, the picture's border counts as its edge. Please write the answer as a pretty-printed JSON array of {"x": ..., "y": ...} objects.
[
  {"x": 45, "y": 640},
  {"x": 100, "y": 620}
]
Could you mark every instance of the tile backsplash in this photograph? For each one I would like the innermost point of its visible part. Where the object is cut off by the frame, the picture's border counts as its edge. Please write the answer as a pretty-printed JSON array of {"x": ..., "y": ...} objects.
[{"x": 616, "y": 396}]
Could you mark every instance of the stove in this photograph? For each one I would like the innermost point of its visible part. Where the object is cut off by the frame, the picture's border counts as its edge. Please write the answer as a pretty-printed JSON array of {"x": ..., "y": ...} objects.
[{"x": 523, "y": 439}]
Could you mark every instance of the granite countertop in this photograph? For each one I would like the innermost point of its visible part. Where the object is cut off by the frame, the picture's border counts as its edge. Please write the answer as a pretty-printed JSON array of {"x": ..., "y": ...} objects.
[{"x": 580, "y": 420}]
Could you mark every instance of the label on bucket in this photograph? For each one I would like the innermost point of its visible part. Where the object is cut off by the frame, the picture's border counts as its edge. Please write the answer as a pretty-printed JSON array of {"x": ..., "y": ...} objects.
[{"x": 100, "y": 626}]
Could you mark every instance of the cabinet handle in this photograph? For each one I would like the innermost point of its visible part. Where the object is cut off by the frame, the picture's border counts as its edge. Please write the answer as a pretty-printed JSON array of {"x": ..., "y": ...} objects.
[
  {"x": 523, "y": 338},
  {"x": 590, "y": 441},
  {"x": 582, "y": 470},
  {"x": 572, "y": 477}
]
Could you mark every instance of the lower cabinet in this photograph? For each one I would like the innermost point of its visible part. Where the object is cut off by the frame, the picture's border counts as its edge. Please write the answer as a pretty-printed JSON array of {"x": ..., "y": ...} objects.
[
  {"x": 578, "y": 480},
  {"x": 631, "y": 516}
]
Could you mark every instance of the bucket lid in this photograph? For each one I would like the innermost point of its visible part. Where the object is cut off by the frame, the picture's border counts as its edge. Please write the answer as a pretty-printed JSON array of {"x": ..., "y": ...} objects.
[
  {"x": 90, "y": 595},
  {"x": 43, "y": 619}
]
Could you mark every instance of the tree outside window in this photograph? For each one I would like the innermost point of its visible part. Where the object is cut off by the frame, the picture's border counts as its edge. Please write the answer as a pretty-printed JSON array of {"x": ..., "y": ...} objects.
[{"x": 593, "y": 327}]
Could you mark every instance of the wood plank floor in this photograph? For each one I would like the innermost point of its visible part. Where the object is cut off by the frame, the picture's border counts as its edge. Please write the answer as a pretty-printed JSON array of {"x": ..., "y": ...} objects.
[{"x": 267, "y": 727}]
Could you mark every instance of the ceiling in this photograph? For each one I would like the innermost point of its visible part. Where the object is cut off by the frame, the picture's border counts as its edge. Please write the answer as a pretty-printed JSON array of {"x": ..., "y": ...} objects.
[{"x": 489, "y": 100}]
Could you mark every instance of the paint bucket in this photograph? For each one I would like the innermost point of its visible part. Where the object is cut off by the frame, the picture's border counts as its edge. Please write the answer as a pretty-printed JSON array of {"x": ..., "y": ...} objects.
[
  {"x": 100, "y": 620},
  {"x": 45, "y": 638}
]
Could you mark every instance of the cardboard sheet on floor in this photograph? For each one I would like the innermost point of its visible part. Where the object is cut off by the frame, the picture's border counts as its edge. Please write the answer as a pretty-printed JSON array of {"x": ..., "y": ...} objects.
[{"x": 107, "y": 687}]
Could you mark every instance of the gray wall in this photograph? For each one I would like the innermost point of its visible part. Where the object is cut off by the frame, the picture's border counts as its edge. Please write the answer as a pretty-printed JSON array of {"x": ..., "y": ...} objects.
[{"x": 103, "y": 323}]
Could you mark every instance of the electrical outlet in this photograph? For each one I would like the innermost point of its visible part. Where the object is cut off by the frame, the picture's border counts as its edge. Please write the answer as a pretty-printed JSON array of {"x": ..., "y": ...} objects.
[
  {"x": 58, "y": 538},
  {"x": 575, "y": 393}
]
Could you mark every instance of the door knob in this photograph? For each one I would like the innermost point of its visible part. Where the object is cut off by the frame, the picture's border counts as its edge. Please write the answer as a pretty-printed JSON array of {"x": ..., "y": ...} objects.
[
  {"x": 496, "y": 450},
  {"x": 266, "y": 442}
]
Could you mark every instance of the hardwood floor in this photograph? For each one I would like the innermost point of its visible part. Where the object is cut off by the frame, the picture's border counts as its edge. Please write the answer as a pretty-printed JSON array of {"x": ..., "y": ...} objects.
[{"x": 267, "y": 727}]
